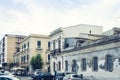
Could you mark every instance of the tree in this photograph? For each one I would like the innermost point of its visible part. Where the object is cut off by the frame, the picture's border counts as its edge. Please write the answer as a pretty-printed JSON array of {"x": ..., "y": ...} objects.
[
  {"x": 33, "y": 62},
  {"x": 37, "y": 62}
]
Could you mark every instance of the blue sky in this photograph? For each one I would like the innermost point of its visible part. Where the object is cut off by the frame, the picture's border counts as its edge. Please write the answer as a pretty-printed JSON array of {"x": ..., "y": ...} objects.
[{"x": 43, "y": 16}]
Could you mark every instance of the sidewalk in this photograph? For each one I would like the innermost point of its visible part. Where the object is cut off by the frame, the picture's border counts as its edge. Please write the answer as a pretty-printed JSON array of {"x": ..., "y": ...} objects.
[{"x": 100, "y": 78}]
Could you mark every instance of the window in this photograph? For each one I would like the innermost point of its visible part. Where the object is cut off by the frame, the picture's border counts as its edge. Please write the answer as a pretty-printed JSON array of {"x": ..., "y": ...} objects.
[
  {"x": 38, "y": 44},
  {"x": 90, "y": 31},
  {"x": 28, "y": 44},
  {"x": 24, "y": 58},
  {"x": 49, "y": 45},
  {"x": 66, "y": 65},
  {"x": 95, "y": 63},
  {"x": 48, "y": 57},
  {"x": 53, "y": 45},
  {"x": 24, "y": 46},
  {"x": 109, "y": 63},
  {"x": 54, "y": 66},
  {"x": 74, "y": 66},
  {"x": 83, "y": 64},
  {"x": 59, "y": 45},
  {"x": 66, "y": 45},
  {"x": 27, "y": 57},
  {"x": 118, "y": 59},
  {"x": 59, "y": 64},
  {"x": 21, "y": 59}
]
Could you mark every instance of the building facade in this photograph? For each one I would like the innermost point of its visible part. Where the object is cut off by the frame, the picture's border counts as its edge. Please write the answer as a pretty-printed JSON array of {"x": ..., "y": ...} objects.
[
  {"x": 98, "y": 58},
  {"x": 31, "y": 46},
  {"x": 8, "y": 45},
  {"x": 67, "y": 38}
]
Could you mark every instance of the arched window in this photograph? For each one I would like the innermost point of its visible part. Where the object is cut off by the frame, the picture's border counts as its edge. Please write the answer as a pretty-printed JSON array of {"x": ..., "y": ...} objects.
[
  {"x": 109, "y": 63},
  {"x": 66, "y": 65},
  {"x": 95, "y": 64}
]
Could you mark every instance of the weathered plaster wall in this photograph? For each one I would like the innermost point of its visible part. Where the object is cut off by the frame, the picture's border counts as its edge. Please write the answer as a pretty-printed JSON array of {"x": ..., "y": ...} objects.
[{"x": 112, "y": 49}]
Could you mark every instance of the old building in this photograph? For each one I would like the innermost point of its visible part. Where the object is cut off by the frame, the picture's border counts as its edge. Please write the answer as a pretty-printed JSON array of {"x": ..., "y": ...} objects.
[
  {"x": 97, "y": 58},
  {"x": 31, "y": 46},
  {"x": 8, "y": 45},
  {"x": 67, "y": 38}
]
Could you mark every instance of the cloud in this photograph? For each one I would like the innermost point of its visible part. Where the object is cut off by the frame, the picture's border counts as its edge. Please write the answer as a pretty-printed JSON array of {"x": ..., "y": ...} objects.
[{"x": 43, "y": 16}]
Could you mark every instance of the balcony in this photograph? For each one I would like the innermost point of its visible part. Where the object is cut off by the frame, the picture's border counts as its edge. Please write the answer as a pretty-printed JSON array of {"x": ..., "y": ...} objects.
[{"x": 55, "y": 51}]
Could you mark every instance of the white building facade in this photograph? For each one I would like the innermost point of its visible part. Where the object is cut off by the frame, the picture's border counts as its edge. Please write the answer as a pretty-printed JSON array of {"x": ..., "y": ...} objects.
[
  {"x": 98, "y": 57},
  {"x": 65, "y": 39}
]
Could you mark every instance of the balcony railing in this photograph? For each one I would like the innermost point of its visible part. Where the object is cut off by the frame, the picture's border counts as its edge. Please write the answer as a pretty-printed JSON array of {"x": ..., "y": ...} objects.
[{"x": 55, "y": 51}]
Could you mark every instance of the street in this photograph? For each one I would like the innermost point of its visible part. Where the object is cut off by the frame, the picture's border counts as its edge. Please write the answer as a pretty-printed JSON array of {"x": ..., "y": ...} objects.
[{"x": 24, "y": 78}]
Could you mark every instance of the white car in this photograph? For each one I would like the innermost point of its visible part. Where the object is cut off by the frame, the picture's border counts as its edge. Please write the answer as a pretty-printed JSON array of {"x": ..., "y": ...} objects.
[
  {"x": 8, "y": 77},
  {"x": 72, "y": 77},
  {"x": 6, "y": 73}
]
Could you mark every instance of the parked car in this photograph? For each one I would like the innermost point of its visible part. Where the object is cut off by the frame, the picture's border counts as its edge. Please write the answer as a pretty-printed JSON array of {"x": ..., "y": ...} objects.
[
  {"x": 6, "y": 73},
  {"x": 59, "y": 76},
  {"x": 73, "y": 77},
  {"x": 7, "y": 77},
  {"x": 45, "y": 76},
  {"x": 35, "y": 74}
]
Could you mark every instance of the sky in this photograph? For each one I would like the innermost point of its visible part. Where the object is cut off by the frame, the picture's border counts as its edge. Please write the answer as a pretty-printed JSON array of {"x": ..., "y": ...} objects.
[{"x": 44, "y": 16}]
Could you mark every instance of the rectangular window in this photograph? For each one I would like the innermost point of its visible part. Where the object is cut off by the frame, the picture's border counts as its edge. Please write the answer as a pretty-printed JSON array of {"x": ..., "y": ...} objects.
[
  {"x": 54, "y": 45},
  {"x": 28, "y": 44},
  {"x": 24, "y": 58},
  {"x": 109, "y": 63},
  {"x": 38, "y": 44},
  {"x": 59, "y": 64},
  {"x": 83, "y": 64},
  {"x": 66, "y": 65},
  {"x": 118, "y": 59},
  {"x": 21, "y": 59},
  {"x": 48, "y": 57},
  {"x": 49, "y": 45},
  {"x": 54, "y": 66},
  {"x": 24, "y": 46},
  {"x": 95, "y": 64},
  {"x": 27, "y": 57}
]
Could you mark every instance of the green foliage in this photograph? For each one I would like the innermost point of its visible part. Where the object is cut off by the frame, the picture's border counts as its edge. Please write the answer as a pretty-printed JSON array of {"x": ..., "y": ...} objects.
[
  {"x": 33, "y": 62},
  {"x": 37, "y": 62}
]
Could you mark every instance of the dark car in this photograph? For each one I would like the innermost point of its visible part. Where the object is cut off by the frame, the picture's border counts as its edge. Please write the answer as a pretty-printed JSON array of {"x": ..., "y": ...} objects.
[
  {"x": 45, "y": 76},
  {"x": 59, "y": 76}
]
